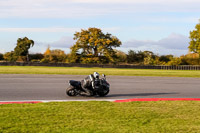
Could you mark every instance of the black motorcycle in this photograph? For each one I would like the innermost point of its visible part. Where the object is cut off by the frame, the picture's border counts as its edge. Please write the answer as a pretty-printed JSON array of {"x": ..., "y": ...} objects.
[{"x": 101, "y": 87}]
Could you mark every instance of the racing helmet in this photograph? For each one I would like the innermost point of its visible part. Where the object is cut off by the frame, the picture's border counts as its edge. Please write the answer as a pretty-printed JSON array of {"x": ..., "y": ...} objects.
[{"x": 96, "y": 75}]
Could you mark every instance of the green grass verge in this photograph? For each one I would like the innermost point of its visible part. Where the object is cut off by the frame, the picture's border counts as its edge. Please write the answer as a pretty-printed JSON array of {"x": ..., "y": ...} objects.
[
  {"x": 86, "y": 71},
  {"x": 100, "y": 117}
]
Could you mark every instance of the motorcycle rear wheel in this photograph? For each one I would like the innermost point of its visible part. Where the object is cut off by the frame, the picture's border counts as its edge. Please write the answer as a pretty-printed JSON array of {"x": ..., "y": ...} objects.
[{"x": 70, "y": 91}]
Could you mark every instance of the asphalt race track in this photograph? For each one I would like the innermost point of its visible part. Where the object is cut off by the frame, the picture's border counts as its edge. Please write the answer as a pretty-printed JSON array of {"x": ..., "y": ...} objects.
[{"x": 16, "y": 87}]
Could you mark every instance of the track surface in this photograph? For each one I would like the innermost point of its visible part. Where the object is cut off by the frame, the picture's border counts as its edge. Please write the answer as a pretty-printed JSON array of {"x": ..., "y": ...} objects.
[{"x": 16, "y": 87}]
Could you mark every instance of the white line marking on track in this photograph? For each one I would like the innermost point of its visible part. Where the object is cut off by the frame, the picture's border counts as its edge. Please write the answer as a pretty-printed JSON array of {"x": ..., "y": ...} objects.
[{"x": 46, "y": 101}]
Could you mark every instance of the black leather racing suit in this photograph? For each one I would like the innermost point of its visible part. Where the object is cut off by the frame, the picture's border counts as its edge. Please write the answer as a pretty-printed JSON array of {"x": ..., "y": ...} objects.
[{"x": 87, "y": 85}]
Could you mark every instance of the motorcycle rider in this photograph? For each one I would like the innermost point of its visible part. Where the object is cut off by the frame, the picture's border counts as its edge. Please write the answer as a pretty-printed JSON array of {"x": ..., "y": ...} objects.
[{"x": 88, "y": 84}]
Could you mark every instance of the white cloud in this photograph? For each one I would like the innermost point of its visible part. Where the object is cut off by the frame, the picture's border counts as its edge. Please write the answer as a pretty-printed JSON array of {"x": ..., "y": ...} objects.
[
  {"x": 174, "y": 41},
  {"x": 156, "y": 50},
  {"x": 39, "y": 29},
  {"x": 85, "y": 8},
  {"x": 64, "y": 42},
  {"x": 52, "y": 29},
  {"x": 2, "y": 51},
  {"x": 137, "y": 43},
  {"x": 135, "y": 1},
  {"x": 169, "y": 19},
  {"x": 48, "y": 9},
  {"x": 176, "y": 44}
]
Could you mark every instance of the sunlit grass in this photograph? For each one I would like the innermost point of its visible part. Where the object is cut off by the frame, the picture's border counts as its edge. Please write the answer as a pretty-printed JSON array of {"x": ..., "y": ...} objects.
[
  {"x": 151, "y": 117},
  {"x": 86, "y": 71}
]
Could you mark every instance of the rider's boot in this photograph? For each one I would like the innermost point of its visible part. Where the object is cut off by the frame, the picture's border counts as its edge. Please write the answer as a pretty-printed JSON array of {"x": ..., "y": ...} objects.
[{"x": 88, "y": 93}]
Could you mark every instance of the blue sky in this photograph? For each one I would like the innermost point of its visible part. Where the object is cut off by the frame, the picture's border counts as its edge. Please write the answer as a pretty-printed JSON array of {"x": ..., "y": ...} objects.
[{"x": 161, "y": 26}]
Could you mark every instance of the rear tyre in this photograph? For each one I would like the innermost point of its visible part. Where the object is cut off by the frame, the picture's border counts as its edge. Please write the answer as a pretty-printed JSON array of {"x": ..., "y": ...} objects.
[{"x": 70, "y": 91}]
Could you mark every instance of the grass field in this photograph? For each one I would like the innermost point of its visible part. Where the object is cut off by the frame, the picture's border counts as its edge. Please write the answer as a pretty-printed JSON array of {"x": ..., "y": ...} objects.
[
  {"x": 86, "y": 71},
  {"x": 100, "y": 117}
]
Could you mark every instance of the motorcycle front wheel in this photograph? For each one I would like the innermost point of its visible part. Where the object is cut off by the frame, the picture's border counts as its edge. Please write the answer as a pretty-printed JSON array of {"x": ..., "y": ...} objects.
[
  {"x": 70, "y": 91},
  {"x": 103, "y": 93}
]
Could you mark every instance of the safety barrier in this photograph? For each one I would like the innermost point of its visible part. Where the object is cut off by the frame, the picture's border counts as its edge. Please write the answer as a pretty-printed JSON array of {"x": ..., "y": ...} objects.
[{"x": 163, "y": 67}]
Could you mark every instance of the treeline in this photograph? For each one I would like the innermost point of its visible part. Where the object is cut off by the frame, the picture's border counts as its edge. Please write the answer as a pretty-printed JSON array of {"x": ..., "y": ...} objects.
[
  {"x": 149, "y": 58},
  {"x": 132, "y": 57},
  {"x": 92, "y": 46}
]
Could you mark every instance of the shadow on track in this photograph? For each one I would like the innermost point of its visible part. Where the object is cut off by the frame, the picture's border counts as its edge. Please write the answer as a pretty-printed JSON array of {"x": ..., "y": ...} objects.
[
  {"x": 139, "y": 94},
  {"x": 117, "y": 96}
]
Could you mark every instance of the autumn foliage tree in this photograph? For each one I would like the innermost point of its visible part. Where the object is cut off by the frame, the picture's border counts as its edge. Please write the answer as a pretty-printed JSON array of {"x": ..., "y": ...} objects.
[
  {"x": 195, "y": 39},
  {"x": 54, "y": 56},
  {"x": 93, "y": 46}
]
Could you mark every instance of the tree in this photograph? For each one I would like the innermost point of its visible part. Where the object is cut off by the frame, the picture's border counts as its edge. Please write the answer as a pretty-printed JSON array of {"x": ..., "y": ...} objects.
[
  {"x": 135, "y": 57},
  {"x": 190, "y": 59},
  {"x": 1, "y": 56},
  {"x": 174, "y": 61},
  {"x": 195, "y": 39},
  {"x": 53, "y": 56},
  {"x": 148, "y": 53},
  {"x": 9, "y": 56},
  {"x": 131, "y": 56},
  {"x": 47, "y": 52},
  {"x": 148, "y": 60},
  {"x": 121, "y": 56},
  {"x": 165, "y": 58},
  {"x": 23, "y": 45},
  {"x": 58, "y": 55},
  {"x": 94, "y": 44}
]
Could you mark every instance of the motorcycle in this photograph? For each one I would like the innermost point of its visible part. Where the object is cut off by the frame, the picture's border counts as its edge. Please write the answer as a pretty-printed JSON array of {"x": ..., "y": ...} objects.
[{"x": 101, "y": 87}]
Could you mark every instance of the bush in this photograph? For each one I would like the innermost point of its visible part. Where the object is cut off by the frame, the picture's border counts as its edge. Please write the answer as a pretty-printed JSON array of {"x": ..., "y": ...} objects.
[
  {"x": 148, "y": 60},
  {"x": 21, "y": 59},
  {"x": 37, "y": 56},
  {"x": 174, "y": 61},
  {"x": 121, "y": 57},
  {"x": 165, "y": 58},
  {"x": 1, "y": 56},
  {"x": 93, "y": 60},
  {"x": 135, "y": 57},
  {"x": 190, "y": 59},
  {"x": 34, "y": 60},
  {"x": 45, "y": 60},
  {"x": 9, "y": 56}
]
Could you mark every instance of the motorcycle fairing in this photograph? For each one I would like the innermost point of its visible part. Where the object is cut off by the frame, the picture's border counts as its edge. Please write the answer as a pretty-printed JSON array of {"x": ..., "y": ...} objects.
[{"x": 75, "y": 83}]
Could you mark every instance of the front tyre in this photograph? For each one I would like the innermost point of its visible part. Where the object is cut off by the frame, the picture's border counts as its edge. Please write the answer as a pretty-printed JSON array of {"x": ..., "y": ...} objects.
[
  {"x": 70, "y": 91},
  {"x": 103, "y": 93}
]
